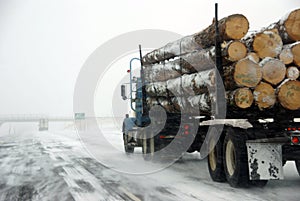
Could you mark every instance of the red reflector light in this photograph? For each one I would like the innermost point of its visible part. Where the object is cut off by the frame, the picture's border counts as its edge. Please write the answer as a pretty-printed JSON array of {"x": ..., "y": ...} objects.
[
  {"x": 293, "y": 129},
  {"x": 295, "y": 140},
  {"x": 186, "y": 127},
  {"x": 186, "y": 132},
  {"x": 162, "y": 136},
  {"x": 289, "y": 129}
]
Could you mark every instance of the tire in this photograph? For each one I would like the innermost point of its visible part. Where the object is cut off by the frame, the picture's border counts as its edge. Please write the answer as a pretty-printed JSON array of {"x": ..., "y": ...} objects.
[
  {"x": 215, "y": 161},
  {"x": 235, "y": 159},
  {"x": 297, "y": 162},
  {"x": 128, "y": 148}
]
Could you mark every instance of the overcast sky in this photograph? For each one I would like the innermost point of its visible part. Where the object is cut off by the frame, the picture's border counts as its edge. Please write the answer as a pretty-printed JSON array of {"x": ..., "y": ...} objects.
[{"x": 44, "y": 43}]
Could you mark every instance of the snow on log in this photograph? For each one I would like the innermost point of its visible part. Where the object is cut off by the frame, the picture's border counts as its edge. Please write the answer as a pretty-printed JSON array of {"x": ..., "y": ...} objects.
[
  {"x": 241, "y": 98},
  {"x": 232, "y": 27},
  {"x": 192, "y": 105},
  {"x": 292, "y": 73},
  {"x": 264, "y": 96},
  {"x": 186, "y": 85},
  {"x": 265, "y": 44},
  {"x": 289, "y": 94},
  {"x": 193, "y": 62},
  {"x": 286, "y": 55},
  {"x": 247, "y": 72},
  {"x": 288, "y": 27},
  {"x": 274, "y": 70},
  {"x": 187, "y": 64}
]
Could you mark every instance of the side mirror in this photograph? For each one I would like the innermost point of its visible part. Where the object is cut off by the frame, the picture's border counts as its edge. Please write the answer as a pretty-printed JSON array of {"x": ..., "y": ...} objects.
[{"x": 123, "y": 92}]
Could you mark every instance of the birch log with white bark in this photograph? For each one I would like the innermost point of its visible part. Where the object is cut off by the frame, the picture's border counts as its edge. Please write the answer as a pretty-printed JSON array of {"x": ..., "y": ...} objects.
[{"x": 240, "y": 98}]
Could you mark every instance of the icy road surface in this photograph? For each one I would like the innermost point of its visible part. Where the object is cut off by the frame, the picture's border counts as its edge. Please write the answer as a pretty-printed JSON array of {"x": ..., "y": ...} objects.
[{"x": 54, "y": 166}]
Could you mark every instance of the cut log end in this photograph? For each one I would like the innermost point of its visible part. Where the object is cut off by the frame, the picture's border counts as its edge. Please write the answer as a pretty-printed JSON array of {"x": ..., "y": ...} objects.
[
  {"x": 289, "y": 95},
  {"x": 236, "y": 26},
  {"x": 243, "y": 98},
  {"x": 274, "y": 70},
  {"x": 292, "y": 73},
  {"x": 264, "y": 96},
  {"x": 296, "y": 53},
  {"x": 247, "y": 73},
  {"x": 236, "y": 51},
  {"x": 286, "y": 56},
  {"x": 267, "y": 44},
  {"x": 292, "y": 25}
]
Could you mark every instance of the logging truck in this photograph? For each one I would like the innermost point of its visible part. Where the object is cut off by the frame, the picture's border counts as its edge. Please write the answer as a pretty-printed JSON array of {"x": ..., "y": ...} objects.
[{"x": 242, "y": 88}]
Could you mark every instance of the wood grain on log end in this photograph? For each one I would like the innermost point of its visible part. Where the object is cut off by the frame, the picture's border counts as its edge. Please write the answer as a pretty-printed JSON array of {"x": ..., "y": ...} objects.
[
  {"x": 292, "y": 25},
  {"x": 267, "y": 44},
  {"x": 274, "y": 70},
  {"x": 286, "y": 56},
  {"x": 289, "y": 95},
  {"x": 264, "y": 96},
  {"x": 235, "y": 51},
  {"x": 247, "y": 73},
  {"x": 296, "y": 53},
  {"x": 236, "y": 26},
  {"x": 243, "y": 98},
  {"x": 292, "y": 73}
]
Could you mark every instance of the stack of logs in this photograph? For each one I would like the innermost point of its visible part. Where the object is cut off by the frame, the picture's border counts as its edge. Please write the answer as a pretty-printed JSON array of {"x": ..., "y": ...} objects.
[{"x": 260, "y": 69}]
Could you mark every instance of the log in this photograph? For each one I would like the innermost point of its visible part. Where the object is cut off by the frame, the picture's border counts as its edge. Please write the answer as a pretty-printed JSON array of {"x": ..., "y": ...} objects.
[
  {"x": 192, "y": 105},
  {"x": 231, "y": 27},
  {"x": 166, "y": 71},
  {"x": 292, "y": 73},
  {"x": 264, "y": 96},
  {"x": 234, "y": 50},
  {"x": 187, "y": 64},
  {"x": 247, "y": 72},
  {"x": 286, "y": 55},
  {"x": 186, "y": 85},
  {"x": 295, "y": 48},
  {"x": 193, "y": 62},
  {"x": 274, "y": 70},
  {"x": 289, "y": 94},
  {"x": 241, "y": 98},
  {"x": 288, "y": 27},
  {"x": 267, "y": 44}
]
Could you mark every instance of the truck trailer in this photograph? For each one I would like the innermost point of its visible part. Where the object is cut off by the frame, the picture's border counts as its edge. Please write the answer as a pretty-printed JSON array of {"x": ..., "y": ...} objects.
[{"x": 246, "y": 142}]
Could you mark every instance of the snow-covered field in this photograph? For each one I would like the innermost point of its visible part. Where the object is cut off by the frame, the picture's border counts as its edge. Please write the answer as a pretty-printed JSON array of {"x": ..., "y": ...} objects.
[{"x": 54, "y": 165}]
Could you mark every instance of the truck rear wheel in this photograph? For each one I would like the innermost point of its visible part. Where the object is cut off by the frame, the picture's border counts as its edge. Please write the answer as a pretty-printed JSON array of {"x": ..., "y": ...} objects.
[
  {"x": 235, "y": 159},
  {"x": 215, "y": 161},
  {"x": 129, "y": 149},
  {"x": 297, "y": 162}
]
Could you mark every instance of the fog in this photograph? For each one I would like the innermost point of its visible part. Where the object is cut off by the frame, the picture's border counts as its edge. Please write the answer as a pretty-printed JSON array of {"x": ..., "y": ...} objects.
[{"x": 44, "y": 43}]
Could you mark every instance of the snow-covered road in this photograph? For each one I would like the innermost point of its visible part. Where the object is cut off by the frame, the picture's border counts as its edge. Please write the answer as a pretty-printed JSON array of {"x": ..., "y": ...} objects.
[{"x": 55, "y": 166}]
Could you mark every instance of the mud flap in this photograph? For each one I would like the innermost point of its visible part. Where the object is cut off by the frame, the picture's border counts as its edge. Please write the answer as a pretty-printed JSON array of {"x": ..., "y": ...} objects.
[{"x": 264, "y": 160}]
